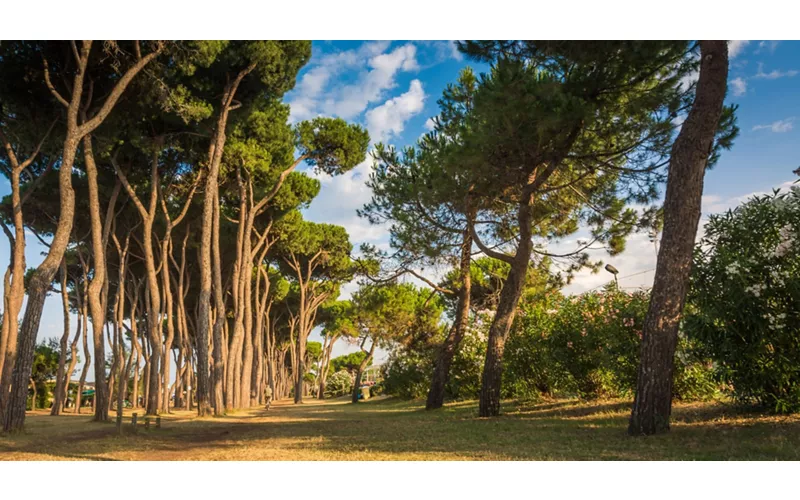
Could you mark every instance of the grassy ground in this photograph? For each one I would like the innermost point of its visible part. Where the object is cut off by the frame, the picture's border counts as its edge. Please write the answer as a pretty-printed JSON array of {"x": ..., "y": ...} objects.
[{"x": 396, "y": 430}]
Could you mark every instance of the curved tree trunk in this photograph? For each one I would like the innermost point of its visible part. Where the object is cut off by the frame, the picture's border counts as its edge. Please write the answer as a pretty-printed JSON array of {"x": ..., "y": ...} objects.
[
  {"x": 361, "y": 367},
  {"x": 682, "y": 203},
  {"x": 492, "y": 376},
  {"x": 73, "y": 349},
  {"x": 441, "y": 369}
]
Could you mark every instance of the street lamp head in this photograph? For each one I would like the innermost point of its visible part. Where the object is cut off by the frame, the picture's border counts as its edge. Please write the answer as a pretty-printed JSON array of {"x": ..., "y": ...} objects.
[{"x": 613, "y": 270}]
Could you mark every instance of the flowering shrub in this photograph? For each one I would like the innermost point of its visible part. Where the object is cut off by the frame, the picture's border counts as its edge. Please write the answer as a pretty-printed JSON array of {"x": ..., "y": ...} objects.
[
  {"x": 588, "y": 346},
  {"x": 407, "y": 373},
  {"x": 744, "y": 299},
  {"x": 595, "y": 338},
  {"x": 338, "y": 384}
]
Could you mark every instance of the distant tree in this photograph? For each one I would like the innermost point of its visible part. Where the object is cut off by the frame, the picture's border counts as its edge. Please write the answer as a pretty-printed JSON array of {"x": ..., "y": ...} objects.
[
  {"x": 45, "y": 367},
  {"x": 388, "y": 314}
]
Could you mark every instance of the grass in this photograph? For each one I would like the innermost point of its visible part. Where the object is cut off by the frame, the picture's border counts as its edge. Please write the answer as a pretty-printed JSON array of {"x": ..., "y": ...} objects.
[{"x": 389, "y": 429}]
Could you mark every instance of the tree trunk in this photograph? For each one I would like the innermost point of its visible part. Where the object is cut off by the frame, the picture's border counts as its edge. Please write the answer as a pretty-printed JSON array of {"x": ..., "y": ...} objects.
[
  {"x": 58, "y": 391},
  {"x": 491, "y": 379},
  {"x": 361, "y": 367},
  {"x": 219, "y": 321},
  {"x": 210, "y": 200},
  {"x": 325, "y": 364},
  {"x": 682, "y": 204},
  {"x": 96, "y": 306},
  {"x": 87, "y": 353},
  {"x": 73, "y": 348},
  {"x": 441, "y": 369}
]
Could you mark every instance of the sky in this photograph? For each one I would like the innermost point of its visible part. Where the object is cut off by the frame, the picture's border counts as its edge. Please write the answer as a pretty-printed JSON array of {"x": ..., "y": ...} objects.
[{"x": 391, "y": 89}]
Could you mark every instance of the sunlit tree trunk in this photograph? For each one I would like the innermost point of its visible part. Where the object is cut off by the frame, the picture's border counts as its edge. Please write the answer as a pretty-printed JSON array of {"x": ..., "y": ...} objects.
[{"x": 682, "y": 204}]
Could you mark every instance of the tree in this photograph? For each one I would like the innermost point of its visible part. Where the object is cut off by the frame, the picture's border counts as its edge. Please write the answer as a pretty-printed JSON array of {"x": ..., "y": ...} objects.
[
  {"x": 390, "y": 313},
  {"x": 76, "y": 129},
  {"x": 690, "y": 155},
  {"x": 585, "y": 128},
  {"x": 317, "y": 256},
  {"x": 337, "y": 318},
  {"x": 258, "y": 67},
  {"x": 427, "y": 197}
]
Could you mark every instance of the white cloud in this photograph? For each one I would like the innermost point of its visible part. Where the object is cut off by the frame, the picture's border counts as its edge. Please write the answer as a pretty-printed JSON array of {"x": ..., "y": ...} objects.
[
  {"x": 638, "y": 262},
  {"x": 774, "y": 74},
  {"x": 766, "y": 45},
  {"x": 735, "y": 47},
  {"x": 389, "y": 118},
  {"x": 738, "y": 86},
  {"x": 315, "y": 96},
  {"x": 777, "y": 126},
  {"x": 429, "y": 125},
  {"x": 689, "y": 79}
]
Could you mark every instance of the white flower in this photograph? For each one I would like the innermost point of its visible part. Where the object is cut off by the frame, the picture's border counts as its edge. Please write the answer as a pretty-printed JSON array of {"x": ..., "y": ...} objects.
[
  {"x": 787, "y": 238},
  {"x": 755, "y": 289},
  {"x": 733, "y": 268}
]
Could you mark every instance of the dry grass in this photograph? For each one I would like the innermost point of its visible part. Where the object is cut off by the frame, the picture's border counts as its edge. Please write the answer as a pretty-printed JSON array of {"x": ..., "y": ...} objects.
[{"x": 395, "y": 430}]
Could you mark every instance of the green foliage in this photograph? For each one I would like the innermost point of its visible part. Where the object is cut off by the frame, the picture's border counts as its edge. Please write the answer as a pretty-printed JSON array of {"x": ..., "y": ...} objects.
[
  {"x": 348, "y": 362},
  {"x": 331, "y": 144},
  {"x": 396, "y": 313},
  {"x": 406, "y": 373},
  {"x": 45, "y": 367},
  {"x": 338, "y": 384},
  {"x": 743, "y": 299},
  {"x": 588, "y": 346},
  {"x": 324, "y": 247},
  {"x": 313, "y": 352}
]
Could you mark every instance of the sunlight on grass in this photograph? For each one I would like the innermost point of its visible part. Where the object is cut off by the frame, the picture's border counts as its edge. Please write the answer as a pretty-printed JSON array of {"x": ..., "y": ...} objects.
[{"x": 391, "y": 429}]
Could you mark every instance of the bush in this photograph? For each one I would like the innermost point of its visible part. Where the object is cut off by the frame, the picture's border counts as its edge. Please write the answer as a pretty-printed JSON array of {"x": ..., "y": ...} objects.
[
  {"x": 744, "y": 295},
  {"x": 588, "y": 346},
  {"x": 407, "y": 373},
  {"x": 338, "y": 384}
]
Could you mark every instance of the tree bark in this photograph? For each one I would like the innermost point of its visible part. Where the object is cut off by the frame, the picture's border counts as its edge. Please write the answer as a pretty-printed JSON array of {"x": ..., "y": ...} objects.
[
  {"x": 58, "y": 391},
  {"x": 682, "y": 204},
  {"x": 86, "y": 352},
  {"x": 220, "y": 343},
  {"x": 210, "y": 199},
  {"x": 441, "y": 369},
  {"x": 491, "y": 379}
]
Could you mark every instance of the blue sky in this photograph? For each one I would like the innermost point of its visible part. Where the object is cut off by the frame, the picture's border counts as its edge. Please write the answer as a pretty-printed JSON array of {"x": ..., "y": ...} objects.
[{"x": 391, "y": 88}]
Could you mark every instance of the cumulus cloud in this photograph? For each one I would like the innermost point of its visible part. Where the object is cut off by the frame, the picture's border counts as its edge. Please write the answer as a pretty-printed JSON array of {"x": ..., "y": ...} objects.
[
  {"x": 777, "y": 126},
  {"x": 429, "y": 125},
  {"x": 389, "y": 119},
  {"x": 735, "y": 47},
  {"x": 738, "y": 86},
  {"x": 376, "y": 71}
]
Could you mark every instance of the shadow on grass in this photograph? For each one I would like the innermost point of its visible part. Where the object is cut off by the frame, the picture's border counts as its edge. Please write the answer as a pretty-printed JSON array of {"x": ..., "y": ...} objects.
[{"x": 394, "y": 429}]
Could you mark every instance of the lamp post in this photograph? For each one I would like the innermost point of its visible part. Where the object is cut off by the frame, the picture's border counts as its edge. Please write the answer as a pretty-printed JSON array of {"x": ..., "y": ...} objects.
[{"x": 613, "y": 270}]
